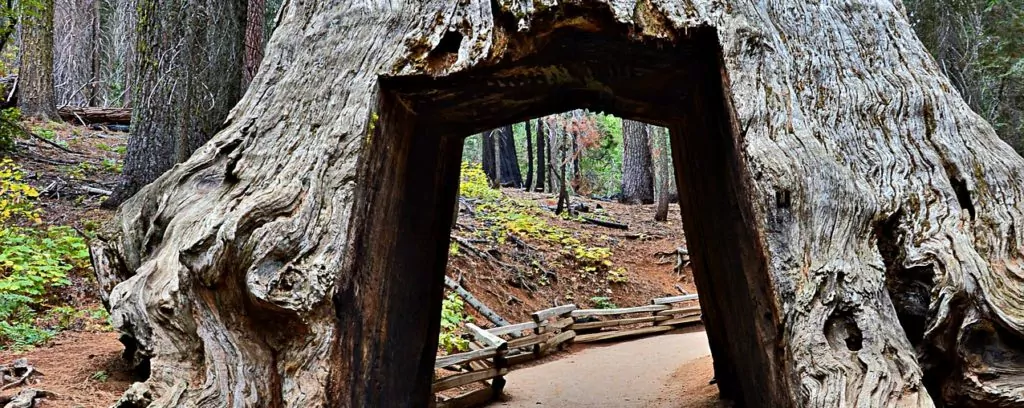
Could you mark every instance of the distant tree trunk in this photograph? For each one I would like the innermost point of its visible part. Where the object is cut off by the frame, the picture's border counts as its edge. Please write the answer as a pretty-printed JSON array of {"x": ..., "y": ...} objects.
[
  {"x": 488, "y": 157},
  {"x": 115, "y": 60},
  {"x": 36, "y": 97},
  {"x": 511, "y": 175},
  {"x": 498, "y": 159},
  {"x": 660, "y": 136},
  {"x": 74, "y": 51},
  {"x": 254, "y": 39},
  {"x": 577, "y": 176},
  {"x": 189, "y": 65},
  {"x": 563, "y": 189},
  {"x": 637, "y": 170},
  {"x": 552, "y": 156},
  {"x": 541, "y": 158},
  {"x": 529, "y": 158},
  {"x": 506, "y": 173}
]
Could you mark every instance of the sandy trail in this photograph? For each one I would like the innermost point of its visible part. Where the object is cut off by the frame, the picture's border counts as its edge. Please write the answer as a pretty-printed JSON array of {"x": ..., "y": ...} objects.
[{"x": 667, "y": 371}]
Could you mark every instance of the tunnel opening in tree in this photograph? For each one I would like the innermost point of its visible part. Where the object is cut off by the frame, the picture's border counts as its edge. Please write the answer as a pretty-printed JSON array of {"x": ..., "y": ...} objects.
[{"x": 416, "y": 155}]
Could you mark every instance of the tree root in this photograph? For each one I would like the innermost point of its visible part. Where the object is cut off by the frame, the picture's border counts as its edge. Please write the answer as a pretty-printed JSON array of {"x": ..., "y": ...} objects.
[{"x": 16, "y": 374}]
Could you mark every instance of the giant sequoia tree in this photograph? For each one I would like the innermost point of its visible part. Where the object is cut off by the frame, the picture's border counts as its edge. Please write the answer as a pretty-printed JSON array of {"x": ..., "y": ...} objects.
[
  {"x": 855, "y": 229},
  {"x": 499, "y": 146},
  {"x": 189, "y": 73}
]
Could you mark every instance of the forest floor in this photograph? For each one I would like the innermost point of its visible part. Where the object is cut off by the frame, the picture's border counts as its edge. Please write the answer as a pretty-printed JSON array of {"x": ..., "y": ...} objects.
[{"x": 516, "y": 256}]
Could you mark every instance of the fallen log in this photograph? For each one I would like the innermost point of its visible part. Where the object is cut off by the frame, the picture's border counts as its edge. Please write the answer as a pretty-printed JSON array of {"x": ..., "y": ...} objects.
[
  {"x": 91, "y": 115},
  {"x": 476, "y": 303}
]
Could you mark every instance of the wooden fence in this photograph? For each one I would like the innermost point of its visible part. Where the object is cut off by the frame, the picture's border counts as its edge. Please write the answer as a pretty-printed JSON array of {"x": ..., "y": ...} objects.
[{"x": 494, "y": 352}]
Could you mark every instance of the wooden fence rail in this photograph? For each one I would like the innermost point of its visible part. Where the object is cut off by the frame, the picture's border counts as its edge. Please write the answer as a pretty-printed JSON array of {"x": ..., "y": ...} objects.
[{"x": 492, "y": 356}]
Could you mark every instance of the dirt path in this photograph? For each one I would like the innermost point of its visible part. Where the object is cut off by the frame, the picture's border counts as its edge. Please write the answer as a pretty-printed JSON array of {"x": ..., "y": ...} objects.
[{"x": 667, "y": 371}]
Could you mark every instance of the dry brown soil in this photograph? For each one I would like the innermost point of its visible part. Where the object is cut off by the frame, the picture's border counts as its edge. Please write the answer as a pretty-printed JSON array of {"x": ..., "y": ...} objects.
[
  {"x": 667, "y": 371},
  {"x": 84, "y": 369}
]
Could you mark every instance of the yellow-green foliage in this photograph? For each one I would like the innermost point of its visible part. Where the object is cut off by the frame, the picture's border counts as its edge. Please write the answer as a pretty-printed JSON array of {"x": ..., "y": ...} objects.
[
  {"x": 15, "y": 195},
  {"x": 525, "y": 220},
  {"x": 33, "y": 261},
  {"x": 474, "y": 183}
]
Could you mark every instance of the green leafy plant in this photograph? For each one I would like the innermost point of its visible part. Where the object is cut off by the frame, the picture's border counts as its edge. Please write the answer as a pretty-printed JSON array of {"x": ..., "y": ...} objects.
[
  {"x": 33, "y": 262},
  {"x": 113, "y": 166},
  {"x": 9, "y": 130},
  {"x": 453, "y": 316},
  {"x": 15, "y": 195},
  {"x": 602, "y": 302},
  {"x": 617, "y": 275},
  {"x": 101, "y": 376}
]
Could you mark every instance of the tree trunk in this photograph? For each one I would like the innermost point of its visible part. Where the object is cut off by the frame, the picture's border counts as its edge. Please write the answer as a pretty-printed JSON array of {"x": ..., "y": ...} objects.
[
  {"x": 75, "y": 22},
  {"x": 563, "y": 189},
  {"x": 552, "y": 156},
  {"x": 854, "y": 229},
  {"x": 541, "y": 158},
  {"x": 116, "y": 52},
  {"x": 488, "y": 156},
  {"x": 36, "y": 97},
  {"x": 529, "y": 157},
  {"x": 499, "y": 168},
  {"x": 504, "y": 154},
  {"x": 511, "y": 175},
  {"x": 190, "y": 63},
  {"x": 637, "y": 170},
  {"x": 660, "y": 143},
  {"x": 254, "y": 39}
]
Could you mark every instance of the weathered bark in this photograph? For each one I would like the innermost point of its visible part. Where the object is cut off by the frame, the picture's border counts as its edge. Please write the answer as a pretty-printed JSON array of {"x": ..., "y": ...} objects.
[
  {"x": 659, "y": 143},
  {"x": 541, "y": 160},
  {"x": 74, "y": 49},
  {"x": 298, "y": 258},
  {"x": 254, "y": 39},
  {"x": 503, "y": 153},
  {"x": 189, "y": 66},
  {"x": 529, "y": 157},
  {"x": 637, "y": 169},
  {"x": 36, "y": 97}
]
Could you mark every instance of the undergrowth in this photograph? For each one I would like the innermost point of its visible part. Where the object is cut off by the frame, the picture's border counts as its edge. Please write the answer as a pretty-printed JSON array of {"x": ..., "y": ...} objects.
[
  {"x": 35, "y": 262},
  {"x": 506, "y": 217},
  {"x": 453, "y": 316}
]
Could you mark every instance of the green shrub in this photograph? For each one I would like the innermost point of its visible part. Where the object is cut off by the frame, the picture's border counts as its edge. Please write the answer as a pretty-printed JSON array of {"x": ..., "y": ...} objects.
[
  {"x": 9, "y": 128},
  {"x": 453, "y": 316},
  {"x": 15, "y": 195},
  {"x": 33, "y": 262},
  {"x": 602, "y": 302}
]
